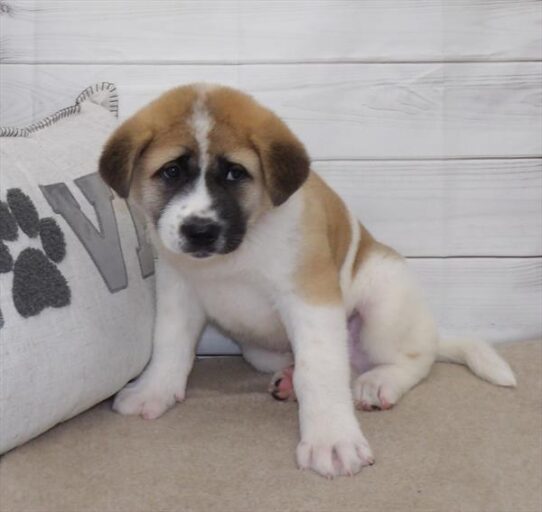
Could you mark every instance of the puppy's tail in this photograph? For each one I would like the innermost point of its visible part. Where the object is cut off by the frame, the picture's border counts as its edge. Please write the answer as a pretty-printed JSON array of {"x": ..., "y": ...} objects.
[{"x": 480, "y": 357}]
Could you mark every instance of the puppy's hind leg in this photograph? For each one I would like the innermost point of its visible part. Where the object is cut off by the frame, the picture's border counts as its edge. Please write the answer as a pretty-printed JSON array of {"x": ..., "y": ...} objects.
[
  {"x": 281, "y": 364},
  {"x": 383, "y": 386},
  {"x": 267, "y": 361},
  {"x": 399, "y": 337}
]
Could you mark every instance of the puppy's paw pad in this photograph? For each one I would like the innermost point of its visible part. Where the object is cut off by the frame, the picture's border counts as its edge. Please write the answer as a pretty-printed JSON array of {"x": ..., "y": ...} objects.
[
  {"x": 281, "y": 386},
  {"x": 149, "y": 403}
]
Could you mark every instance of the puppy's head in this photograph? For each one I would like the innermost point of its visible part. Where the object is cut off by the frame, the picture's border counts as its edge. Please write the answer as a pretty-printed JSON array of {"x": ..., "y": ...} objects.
[{"x": 204, "y": 162}]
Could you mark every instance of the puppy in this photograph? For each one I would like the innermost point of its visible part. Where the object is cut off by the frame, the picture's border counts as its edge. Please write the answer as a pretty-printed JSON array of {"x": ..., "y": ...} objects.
[{"x": 249, "y": 239}]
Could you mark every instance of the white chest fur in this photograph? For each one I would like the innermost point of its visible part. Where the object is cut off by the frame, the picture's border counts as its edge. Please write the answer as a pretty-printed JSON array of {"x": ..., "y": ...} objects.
[
  {"x": 239, "y": 291},
  {"x": 245, "y": 310}
]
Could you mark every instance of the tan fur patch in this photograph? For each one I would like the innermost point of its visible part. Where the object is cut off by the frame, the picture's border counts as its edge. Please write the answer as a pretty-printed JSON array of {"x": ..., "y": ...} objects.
[
  {"x": 284, "y": 162},
  {"x": 368, "y": 245},
  {"x": 326, "y": 239},
  {"x": 327, "y": 236},
  {"x": 159, "y": 124}
]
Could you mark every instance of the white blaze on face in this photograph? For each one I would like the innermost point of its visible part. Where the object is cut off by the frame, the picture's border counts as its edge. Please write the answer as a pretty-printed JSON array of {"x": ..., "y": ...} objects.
[
  {"x": 197, "y": 202},
  {"x": 201, "y": 124}
]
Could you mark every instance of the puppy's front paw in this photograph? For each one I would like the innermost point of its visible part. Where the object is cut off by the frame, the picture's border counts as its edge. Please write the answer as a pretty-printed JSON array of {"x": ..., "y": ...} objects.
[
  {"x": 145, "y": 399},
  {"x": 334, "y": 455}
]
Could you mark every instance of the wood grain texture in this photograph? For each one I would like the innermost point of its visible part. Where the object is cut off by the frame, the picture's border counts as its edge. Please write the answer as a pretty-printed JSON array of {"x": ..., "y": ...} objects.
[
  {"x": 495, "y": 299},
  {"x": 425, "y": 115},
  {"x": 244, "y": 31},
  {"x": 344, "y": 111},
  {"x": 488, "y": 298},
  {"x": 446, "y": 207}
]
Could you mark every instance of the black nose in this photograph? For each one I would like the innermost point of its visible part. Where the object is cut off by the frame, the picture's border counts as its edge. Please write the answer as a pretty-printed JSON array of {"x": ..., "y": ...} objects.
[{"x": 200, "y": 232}]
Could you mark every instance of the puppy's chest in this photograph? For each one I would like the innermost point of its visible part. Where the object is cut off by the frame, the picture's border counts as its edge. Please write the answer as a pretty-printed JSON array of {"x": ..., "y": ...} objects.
[{"x": 245, "y": 311}]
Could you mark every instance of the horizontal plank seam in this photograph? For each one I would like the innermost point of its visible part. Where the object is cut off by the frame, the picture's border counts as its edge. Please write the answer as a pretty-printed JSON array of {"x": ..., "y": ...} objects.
[
  {"x": 476, "y": 257},
  {"x": 217, "y": 354},
  {"x": 428, "y": 159},
  {"x": 6, "y": 60}
]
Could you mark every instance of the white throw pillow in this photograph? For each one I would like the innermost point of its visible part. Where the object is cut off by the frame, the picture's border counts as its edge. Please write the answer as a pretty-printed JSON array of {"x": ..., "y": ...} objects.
[{"x": 76, "y": 273}]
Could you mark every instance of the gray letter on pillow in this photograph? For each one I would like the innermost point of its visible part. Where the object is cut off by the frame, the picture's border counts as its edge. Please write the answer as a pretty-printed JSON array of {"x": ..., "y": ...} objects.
[
  {"x": 103, "y": 245},
  {"x": 144, "y": 250}
]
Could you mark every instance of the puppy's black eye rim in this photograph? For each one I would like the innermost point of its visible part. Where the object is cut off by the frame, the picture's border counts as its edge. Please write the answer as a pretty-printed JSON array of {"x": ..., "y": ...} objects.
[
  {"x": 174, "y": 170},
  {"x": 170, "y": 172},
  {"x": 236, "y": 173}
]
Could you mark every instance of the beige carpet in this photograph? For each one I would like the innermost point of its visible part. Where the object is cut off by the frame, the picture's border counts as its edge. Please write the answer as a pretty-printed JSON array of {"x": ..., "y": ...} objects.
[{"x": 454, "y": 443}]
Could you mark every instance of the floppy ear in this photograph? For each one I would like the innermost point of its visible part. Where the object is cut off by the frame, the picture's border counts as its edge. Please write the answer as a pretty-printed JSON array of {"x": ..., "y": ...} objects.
[
  {"x": 285, "y": 164},
  {"x": 120, "y": 155}
]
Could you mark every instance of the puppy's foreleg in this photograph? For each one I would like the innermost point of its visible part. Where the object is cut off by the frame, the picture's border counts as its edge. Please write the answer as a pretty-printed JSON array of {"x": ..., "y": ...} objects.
[
  {"x": 179, "y": 321},
  {"x": 331, "y": 440}
]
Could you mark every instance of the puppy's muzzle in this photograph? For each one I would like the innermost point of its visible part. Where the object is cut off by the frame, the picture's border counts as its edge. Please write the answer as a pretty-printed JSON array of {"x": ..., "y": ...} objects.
[{"x": 200, "y": 235}]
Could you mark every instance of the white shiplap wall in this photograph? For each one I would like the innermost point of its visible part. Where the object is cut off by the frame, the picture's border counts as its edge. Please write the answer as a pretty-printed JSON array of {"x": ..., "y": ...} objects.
[{"x": 425, "y": 115}]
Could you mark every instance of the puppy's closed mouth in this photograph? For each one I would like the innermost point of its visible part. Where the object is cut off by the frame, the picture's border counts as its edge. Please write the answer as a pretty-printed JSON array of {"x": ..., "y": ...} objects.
[{"x": 201, "y": 254}]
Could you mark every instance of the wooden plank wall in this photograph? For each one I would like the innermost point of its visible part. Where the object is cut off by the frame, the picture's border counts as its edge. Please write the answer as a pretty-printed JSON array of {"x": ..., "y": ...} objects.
[{"x": 426, "y": 115}]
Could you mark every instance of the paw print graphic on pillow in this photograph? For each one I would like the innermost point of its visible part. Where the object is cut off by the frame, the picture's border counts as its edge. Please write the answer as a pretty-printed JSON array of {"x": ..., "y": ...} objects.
[{"x": 37, "y": 281}]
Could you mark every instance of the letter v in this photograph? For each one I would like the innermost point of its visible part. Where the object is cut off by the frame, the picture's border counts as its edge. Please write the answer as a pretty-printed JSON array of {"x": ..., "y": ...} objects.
[{"x": 103, "y": 244}]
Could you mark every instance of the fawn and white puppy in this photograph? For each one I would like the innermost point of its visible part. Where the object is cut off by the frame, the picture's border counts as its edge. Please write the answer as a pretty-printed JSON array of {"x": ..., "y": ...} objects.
[{"x": 251, "y": 240}]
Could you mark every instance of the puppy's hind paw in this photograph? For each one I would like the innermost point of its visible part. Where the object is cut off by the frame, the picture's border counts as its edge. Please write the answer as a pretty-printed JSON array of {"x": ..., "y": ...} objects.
[
  {"x": 373, "y": 392},
  {"x": 281, "y": 386}
]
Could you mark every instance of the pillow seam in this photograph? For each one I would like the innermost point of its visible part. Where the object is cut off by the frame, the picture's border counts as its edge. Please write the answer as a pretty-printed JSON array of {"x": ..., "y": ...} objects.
[{"x": 113, "y": 107}]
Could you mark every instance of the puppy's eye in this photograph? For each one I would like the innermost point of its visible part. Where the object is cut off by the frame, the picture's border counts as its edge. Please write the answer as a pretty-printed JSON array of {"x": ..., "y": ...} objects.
[
  {"x": 170, "y": 172},
  {"x": 173, "y": 171},
  {"x": 236, "y": 172}
]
